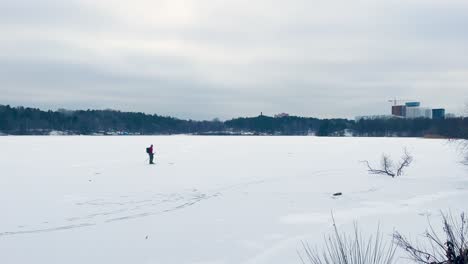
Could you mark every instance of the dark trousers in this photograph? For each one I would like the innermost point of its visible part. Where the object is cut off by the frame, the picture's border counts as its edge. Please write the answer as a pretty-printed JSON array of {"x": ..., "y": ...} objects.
[{"x": 151, "y": 157}]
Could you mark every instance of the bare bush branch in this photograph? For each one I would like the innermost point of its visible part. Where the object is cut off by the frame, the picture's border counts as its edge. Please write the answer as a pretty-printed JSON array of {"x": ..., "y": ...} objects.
[
  {"x": 406, "y": 160},
  {"x": 384, "y": 169},
  {"x": 388, "y": 167},
  {"x": 451, "y": 249}
]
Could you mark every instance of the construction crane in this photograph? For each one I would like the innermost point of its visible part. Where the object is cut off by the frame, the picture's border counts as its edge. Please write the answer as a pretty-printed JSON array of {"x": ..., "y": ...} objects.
[{"x": 395, "y": 101}]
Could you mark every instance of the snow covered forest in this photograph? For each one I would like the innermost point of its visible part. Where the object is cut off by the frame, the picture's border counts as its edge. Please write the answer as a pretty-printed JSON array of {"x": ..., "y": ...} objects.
[{"x": 30, "y": 121}]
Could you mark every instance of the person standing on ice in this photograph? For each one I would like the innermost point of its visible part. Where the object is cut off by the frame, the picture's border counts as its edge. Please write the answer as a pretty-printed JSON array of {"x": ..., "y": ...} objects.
[{"x": 150, "y": 153}]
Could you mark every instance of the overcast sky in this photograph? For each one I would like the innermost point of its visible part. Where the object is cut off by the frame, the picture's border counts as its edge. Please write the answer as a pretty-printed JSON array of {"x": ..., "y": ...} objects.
[{"x": 203, "y": 59}]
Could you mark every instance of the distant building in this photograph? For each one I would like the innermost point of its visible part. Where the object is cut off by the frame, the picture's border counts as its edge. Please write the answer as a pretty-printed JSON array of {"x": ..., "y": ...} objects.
[
  {"x": 281, "y": 115},
  {"x": 418, "y": 112},
  {"x": 414, "y": 110},
  {"x": 399, "y": 110},
  {"x": 413, "y": 104},
  {"x": 438, "y": 113}
]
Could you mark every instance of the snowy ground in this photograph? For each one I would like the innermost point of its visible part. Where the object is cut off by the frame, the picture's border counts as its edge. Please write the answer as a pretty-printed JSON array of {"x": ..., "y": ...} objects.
[{"x": 210, "y": 199}]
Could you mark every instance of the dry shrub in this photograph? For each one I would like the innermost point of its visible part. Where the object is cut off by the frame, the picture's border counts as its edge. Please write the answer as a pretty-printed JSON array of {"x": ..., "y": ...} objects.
[
  {"x": 449, "y": 248},
  {"x": 350, "y": 249}
]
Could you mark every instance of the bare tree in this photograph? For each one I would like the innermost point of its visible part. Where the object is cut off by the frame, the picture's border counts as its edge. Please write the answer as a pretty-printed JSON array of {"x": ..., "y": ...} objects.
[
  {"x": 406, "y": 160},
  {"x": 451, "y": 249},
  {"x": 388, "y": 167}
]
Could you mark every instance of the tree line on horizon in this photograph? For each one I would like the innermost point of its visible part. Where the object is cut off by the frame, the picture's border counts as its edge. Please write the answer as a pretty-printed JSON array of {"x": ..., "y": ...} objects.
[{"x": 32, "y": 121}]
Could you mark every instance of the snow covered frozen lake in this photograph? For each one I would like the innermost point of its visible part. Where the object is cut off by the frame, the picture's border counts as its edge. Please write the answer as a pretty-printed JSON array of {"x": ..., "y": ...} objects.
[{"x": 79, "y": 199}]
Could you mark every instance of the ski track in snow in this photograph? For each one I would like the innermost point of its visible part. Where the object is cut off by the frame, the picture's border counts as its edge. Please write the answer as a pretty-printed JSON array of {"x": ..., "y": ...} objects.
[
  {"x": 127, "y": 207},
  {"x": 143, "y": 207},
  {"x": 156, "y": 204},
  {"x": 46, "y": 229},
  {"x": 147, "y": 207}
]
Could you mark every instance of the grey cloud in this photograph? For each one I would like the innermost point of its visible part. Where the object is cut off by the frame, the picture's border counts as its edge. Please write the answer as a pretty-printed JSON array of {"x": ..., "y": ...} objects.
[
  {"x": 47, "y": 14},
  {"x": 71, "y": 85},
  {"x": 230, "y": 58}
]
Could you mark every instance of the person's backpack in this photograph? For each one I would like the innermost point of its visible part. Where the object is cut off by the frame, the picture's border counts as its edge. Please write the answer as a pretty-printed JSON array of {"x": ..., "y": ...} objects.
[{"x": 148, "y": 150}]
